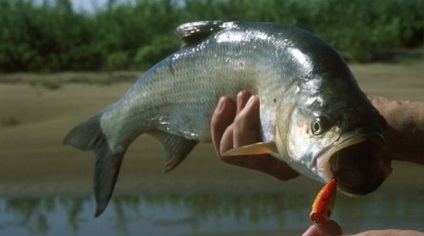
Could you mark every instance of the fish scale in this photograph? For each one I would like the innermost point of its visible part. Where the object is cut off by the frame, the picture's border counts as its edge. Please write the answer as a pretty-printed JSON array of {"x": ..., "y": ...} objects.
[{"x": 298, "y": 78}]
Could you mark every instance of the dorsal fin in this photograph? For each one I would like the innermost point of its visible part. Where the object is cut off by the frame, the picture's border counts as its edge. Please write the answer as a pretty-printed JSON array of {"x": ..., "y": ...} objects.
[{"x": 194, "y": 32}]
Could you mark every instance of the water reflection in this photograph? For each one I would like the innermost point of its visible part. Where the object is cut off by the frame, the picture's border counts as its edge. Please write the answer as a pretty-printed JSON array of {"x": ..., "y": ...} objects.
[{"x": 196, "y": 214}]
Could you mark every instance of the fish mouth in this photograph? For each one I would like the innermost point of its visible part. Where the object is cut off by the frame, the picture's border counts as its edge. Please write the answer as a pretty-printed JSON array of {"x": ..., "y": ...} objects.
[{"x": 360, "y": 163}]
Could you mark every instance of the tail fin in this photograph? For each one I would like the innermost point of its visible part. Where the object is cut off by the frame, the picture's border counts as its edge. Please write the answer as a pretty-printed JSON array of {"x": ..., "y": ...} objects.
[{"x": 88, "y": 135}]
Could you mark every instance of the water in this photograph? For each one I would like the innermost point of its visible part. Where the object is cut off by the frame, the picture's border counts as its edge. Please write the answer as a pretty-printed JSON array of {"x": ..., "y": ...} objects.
[
  {"x": 203, "y": 213},
  {"x": 36, "y": 167}
]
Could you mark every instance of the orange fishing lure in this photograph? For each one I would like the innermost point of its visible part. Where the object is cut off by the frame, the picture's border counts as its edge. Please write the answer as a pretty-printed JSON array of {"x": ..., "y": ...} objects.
[{"x": 324, "y": 203}]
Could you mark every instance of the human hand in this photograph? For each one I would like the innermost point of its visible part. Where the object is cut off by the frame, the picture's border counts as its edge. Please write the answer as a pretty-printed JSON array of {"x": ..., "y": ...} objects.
[
  {"x": 332, "y": 228},
  {"x": 237, "y": 124},
  {"x": 405, "y": 132}
]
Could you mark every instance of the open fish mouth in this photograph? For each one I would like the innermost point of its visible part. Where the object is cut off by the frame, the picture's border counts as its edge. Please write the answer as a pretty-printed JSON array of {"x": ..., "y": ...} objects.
[{"x": 359, "y": 164}]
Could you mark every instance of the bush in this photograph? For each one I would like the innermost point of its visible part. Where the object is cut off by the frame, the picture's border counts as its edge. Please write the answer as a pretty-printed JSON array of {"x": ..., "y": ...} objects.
[{"x": 52, "y": 36}]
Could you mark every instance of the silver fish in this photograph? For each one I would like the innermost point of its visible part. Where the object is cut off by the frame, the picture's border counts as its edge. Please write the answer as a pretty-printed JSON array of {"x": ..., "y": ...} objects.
[{"x": 313, "y": 114}]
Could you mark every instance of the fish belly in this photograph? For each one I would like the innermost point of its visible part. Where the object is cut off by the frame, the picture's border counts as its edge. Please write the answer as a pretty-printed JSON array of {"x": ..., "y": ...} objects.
[{"x": 179, "y": 95}]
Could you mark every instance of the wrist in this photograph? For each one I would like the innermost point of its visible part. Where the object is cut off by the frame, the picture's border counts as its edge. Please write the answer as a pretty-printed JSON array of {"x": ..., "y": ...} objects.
[{"x": 405, "y": 132}]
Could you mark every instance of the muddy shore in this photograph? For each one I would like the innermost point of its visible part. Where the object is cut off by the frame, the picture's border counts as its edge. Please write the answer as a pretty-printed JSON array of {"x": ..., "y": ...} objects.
[{"x": 34, "y": 120}]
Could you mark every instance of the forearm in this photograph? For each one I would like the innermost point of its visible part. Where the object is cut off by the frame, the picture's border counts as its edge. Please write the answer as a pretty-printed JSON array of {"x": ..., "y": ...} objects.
[{"x": 405, "y": 133}]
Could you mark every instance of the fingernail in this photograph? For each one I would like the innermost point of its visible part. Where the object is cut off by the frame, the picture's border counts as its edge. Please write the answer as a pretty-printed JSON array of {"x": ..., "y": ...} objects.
[
  {"x": 251, "y": 101},
  {"x": 220, "y": 105},
  {"x": 240, "y": 98}
]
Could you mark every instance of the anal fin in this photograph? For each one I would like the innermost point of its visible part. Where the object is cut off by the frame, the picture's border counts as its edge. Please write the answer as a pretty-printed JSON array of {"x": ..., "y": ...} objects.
[{"x": 176, "y": 148}]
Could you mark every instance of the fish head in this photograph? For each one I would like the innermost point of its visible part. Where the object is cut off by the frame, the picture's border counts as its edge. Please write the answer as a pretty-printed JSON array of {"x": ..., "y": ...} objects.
[{"x": 340, "y": 139}]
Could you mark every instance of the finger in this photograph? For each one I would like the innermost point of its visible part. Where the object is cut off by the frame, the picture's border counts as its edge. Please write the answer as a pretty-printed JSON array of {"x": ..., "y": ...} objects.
[
  {"x": 278, "y": 169},
  {"x": 390, "y": 232},
  {"x": 242, "y": 98},
  {"x": 331, "y": 228},
  {"x": 248, "y": 125},
  {"x": 222, "y": 117},
  {"x": 246, "y": 128},
  {"x": 227, "y": 141}
]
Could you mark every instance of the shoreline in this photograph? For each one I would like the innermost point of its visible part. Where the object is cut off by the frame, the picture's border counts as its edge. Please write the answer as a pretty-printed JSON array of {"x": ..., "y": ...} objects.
[{"x": 34, "y": 121}]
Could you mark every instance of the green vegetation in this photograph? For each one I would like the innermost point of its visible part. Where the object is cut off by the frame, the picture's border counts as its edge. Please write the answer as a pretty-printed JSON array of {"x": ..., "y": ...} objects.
[
  {"x": 51, "y": 84},
  {"x": 51, "y": 36},
  {"x": 9, "y": 121}
]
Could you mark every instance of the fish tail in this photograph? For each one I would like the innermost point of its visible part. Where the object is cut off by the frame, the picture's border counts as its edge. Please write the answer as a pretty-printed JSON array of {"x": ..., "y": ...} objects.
[{"x": 88, "y": 135}]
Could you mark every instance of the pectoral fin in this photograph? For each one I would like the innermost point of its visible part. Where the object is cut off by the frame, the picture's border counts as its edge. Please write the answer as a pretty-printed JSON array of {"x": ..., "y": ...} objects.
[
  {"x": 265, "y": 163},
  {"x": 253, "y": 149}
]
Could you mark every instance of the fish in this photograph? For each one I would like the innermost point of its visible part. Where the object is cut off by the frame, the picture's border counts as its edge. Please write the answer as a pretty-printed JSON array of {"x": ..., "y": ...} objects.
[
  {"x": 313, "y": 115},
  {"x": 323, "y": 204}
]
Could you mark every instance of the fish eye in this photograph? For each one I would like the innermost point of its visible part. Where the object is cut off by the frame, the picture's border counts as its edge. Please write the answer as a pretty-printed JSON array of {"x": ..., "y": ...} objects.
[{"x": 320, "y": 124}]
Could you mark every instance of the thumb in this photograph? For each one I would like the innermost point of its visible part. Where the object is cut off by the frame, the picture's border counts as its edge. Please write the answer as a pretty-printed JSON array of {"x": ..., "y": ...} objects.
[{"x": 331, "y": 228}]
